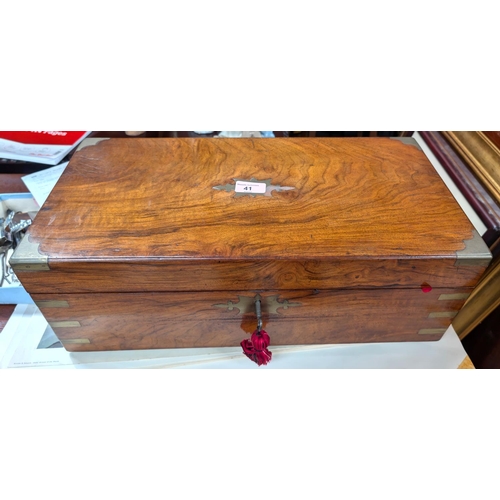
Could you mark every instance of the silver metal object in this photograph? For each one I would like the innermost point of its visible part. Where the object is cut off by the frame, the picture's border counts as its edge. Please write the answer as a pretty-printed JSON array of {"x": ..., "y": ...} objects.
[
  {"x": 20, "y": 226},
  {"x": 3, "y": 265},
  {"x": 11, "y": 235},
  {"x": 258, "y": 314}
]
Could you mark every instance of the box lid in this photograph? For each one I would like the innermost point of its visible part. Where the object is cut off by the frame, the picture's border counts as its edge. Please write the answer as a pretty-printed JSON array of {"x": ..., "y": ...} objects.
[{"x": 214, "y": 214}]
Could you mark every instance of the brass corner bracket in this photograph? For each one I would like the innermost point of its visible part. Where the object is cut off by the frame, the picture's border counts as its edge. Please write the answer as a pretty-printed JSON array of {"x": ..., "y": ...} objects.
[
  {"x": 475, "y": 253},
  {"x": 27, "y": 257}
]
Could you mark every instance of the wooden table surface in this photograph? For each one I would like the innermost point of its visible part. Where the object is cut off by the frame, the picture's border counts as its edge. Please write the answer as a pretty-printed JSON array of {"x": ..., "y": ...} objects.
[
  {"x": 12, "y": 183},
  {"x": 467, "y": 364}
]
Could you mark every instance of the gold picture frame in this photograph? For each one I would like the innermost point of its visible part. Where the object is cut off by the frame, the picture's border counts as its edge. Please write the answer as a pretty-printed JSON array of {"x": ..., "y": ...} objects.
[
  {"x": 483, "y": 301},
  {"x": 481, "y": 154}
]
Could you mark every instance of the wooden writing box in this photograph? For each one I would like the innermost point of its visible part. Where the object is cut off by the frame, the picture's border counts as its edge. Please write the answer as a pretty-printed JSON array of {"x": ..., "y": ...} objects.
[{"x": 155, "y": 243}]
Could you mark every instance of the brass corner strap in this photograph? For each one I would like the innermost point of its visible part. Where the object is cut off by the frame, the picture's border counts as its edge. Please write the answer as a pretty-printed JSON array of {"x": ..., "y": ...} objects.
[
  {"x": 410, "y": 141},
  {"x": 443, "y": 314},
  {"x": 51, "y": 303},
  {"x": 27, "y": 257},
  {"x": 90, "y": 141},
  {"x": 432, "y": 331},
  {"x": 475, "y": 253},
  {"x": 65, "y": 324},
  {"x": 454, "y": 296}
]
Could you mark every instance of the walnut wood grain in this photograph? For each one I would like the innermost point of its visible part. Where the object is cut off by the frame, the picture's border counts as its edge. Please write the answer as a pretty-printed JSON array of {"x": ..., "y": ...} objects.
[
  {"x": 133, "y": 211},
  {"x": 12, "y": 183},
  {"x": 155, "y": 198},
  {"x": 183, "y": 275},
  {"x": 174, "y": 320}
]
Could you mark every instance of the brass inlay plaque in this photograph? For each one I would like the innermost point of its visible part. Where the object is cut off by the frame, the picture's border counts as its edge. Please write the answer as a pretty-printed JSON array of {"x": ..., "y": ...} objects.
[
  {"x": 75, "y": 341},
  {"x": 431, "y": 331},
  {"x": 454, "y": 296},
  {"x": 246, "y": 305},
  {"x": 269, "y": 188},
  {"x": 52, "y": 303},
  {"x": 443, "y": 314},
  {"x": 64, "y": 324}
]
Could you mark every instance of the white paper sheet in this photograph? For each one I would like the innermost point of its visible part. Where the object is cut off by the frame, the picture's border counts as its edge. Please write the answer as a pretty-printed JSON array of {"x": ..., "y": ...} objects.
[{"x": 41, "y": 183}]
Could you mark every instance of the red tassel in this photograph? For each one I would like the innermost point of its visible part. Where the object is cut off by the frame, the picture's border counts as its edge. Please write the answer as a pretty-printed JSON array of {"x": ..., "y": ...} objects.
[{"x": 256, "y": 348}]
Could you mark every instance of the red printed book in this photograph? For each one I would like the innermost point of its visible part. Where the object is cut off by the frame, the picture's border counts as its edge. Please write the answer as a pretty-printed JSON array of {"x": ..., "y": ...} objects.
[{"x": 47, "y": 147}]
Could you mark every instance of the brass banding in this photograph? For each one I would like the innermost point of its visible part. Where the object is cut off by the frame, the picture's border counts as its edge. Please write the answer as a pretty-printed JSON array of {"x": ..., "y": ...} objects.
[{"x": 64, "y": 324}]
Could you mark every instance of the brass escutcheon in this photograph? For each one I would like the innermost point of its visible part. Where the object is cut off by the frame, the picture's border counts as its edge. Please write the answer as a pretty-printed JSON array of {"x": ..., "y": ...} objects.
[{"x": 269, "y": 305}]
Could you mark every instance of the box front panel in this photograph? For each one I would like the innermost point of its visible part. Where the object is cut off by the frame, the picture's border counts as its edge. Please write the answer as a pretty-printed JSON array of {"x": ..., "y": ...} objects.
[{"x": 127, "y": 321}]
